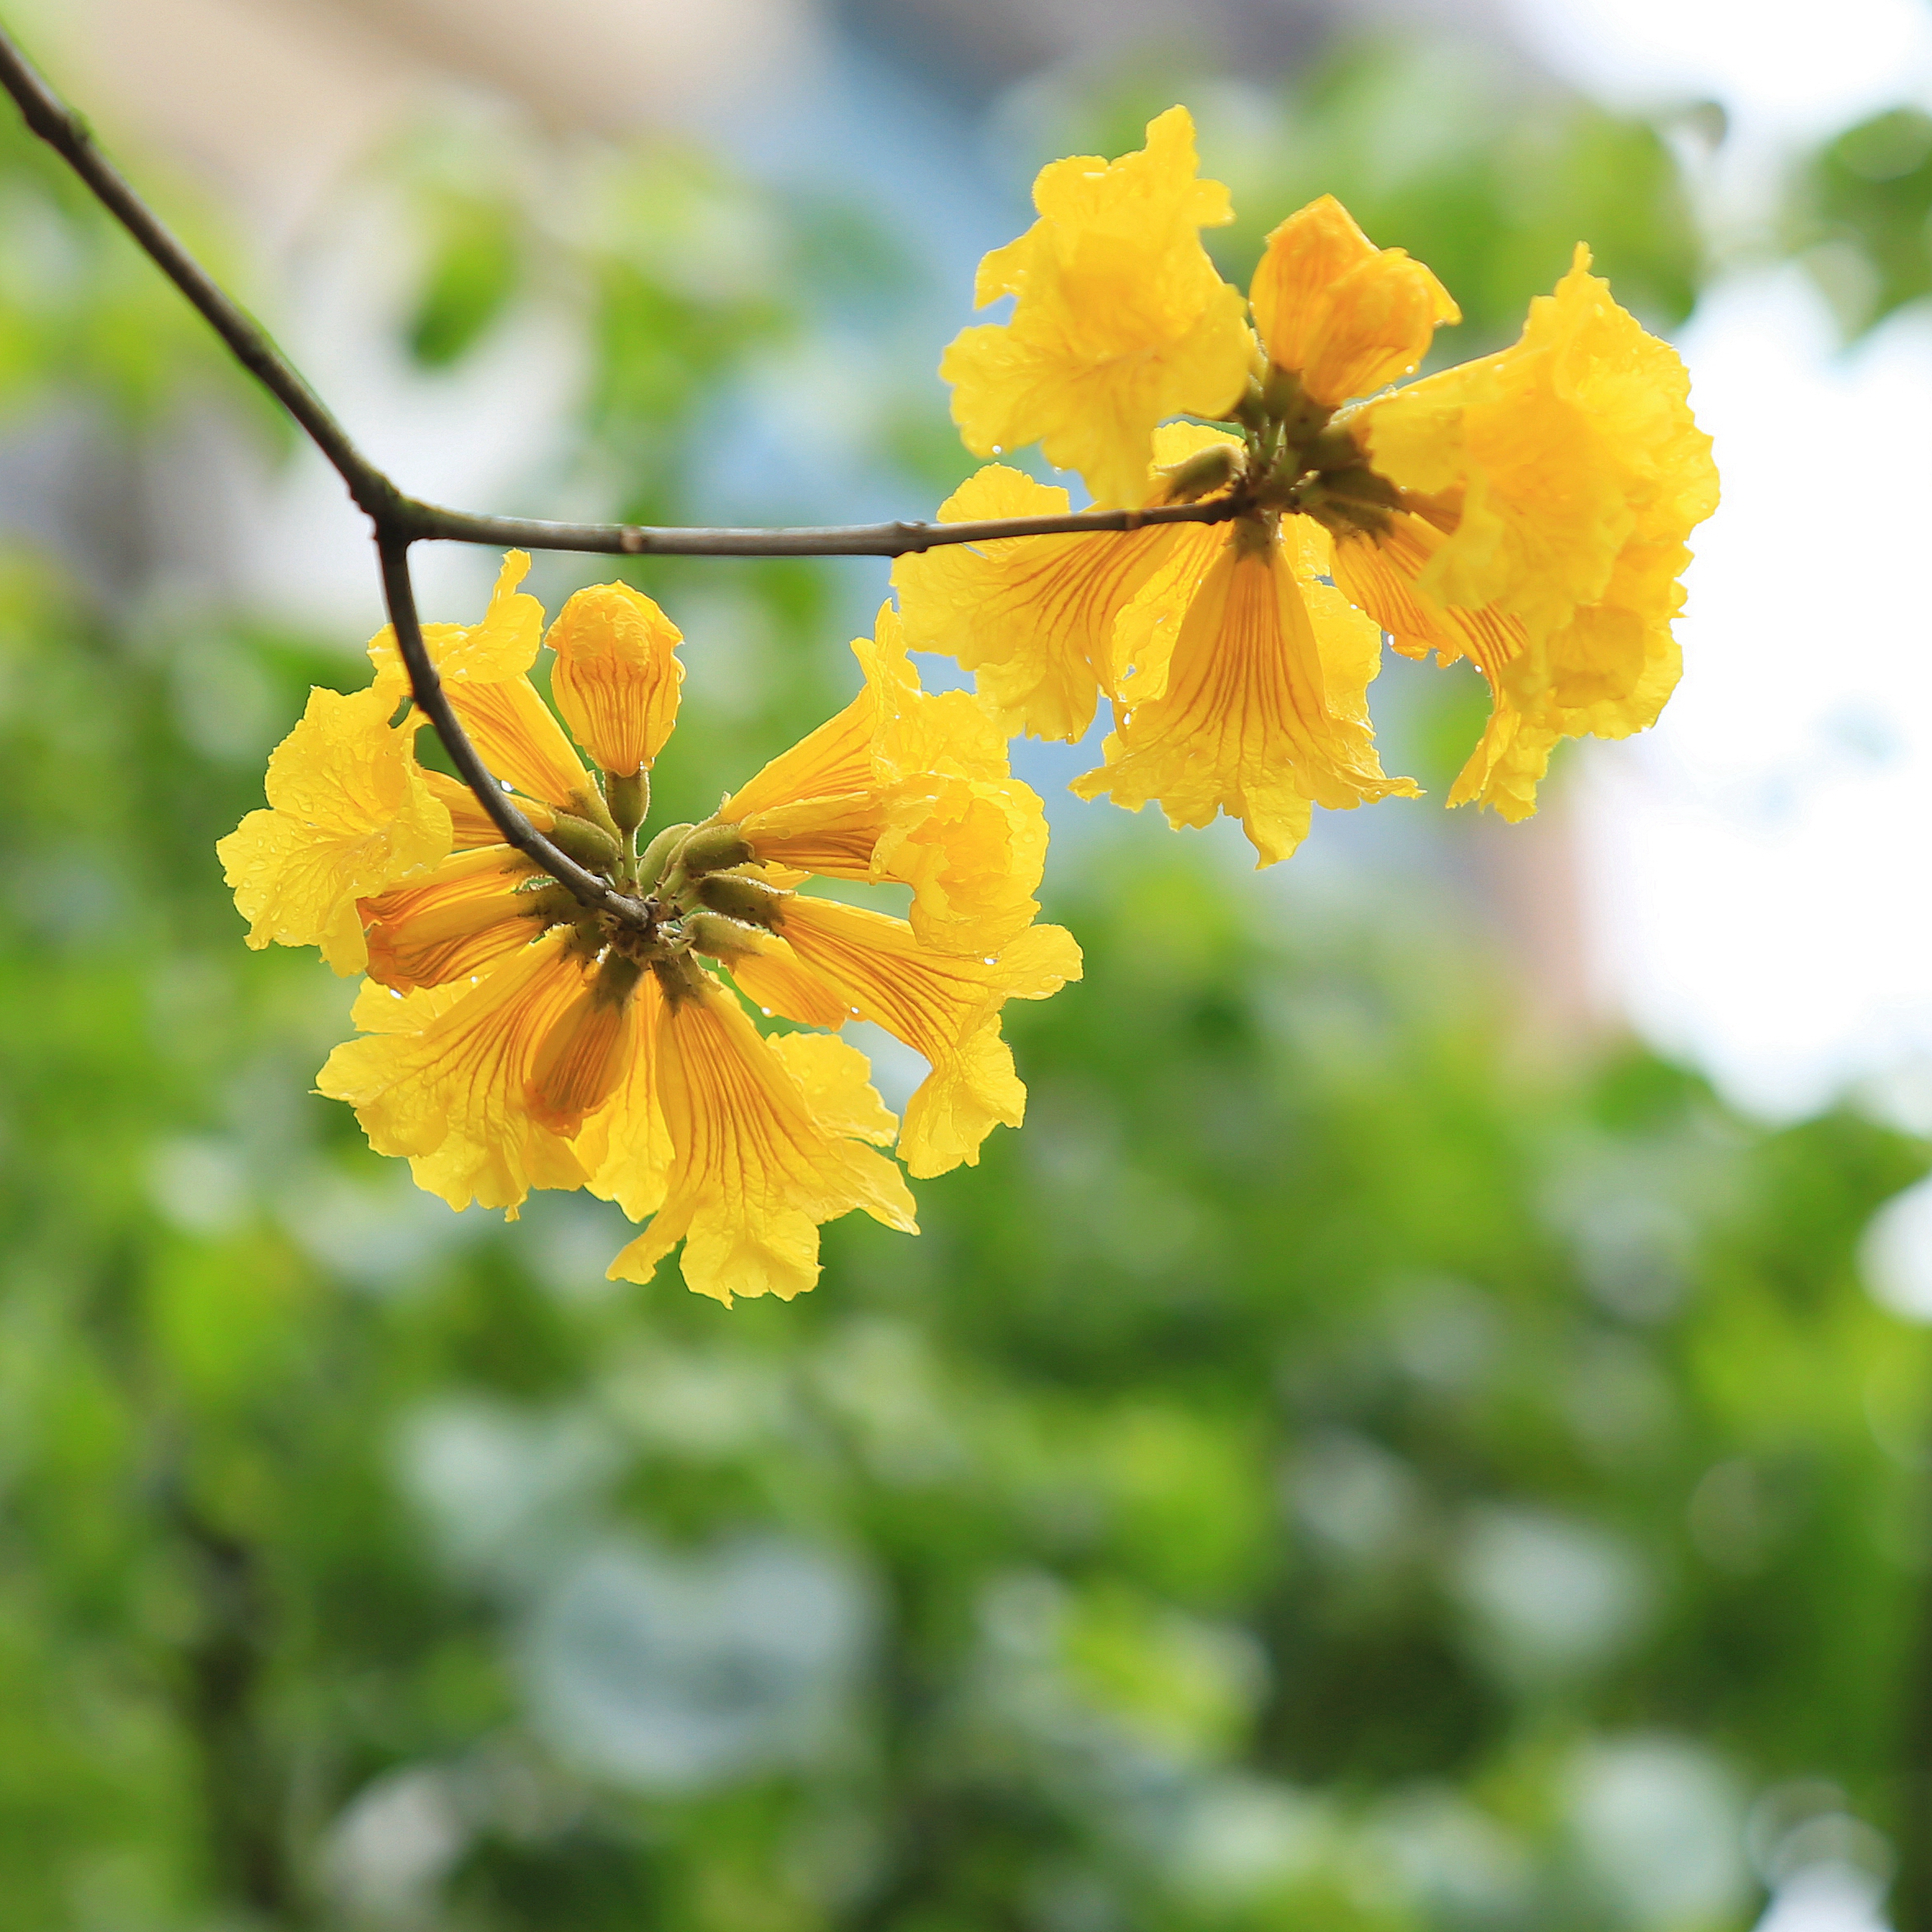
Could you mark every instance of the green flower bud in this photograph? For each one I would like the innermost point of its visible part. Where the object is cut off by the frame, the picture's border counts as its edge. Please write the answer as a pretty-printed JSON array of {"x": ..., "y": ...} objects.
[
  {"x": 1202, "y": 474},
  {"x": 713, "y": 934},
  {"x": 615, "y": 979}
]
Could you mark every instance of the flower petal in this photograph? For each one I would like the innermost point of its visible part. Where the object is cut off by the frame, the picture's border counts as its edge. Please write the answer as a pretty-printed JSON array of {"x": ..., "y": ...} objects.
[
  {"x": 1261, "y": 714},
  {"x": 503, "y": 645},
  {"x": 944, "y": 1007},
  {"x": 349, "y": 813},
  {"x": 1031, "y": 617},
  {"x": 450, "y": 1095},
  {"x": 449, "y": 923}
]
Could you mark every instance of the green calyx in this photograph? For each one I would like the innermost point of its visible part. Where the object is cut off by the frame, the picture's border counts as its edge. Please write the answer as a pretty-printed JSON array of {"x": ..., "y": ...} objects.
[
  {"x": 628, "y": 800},
  {"x": 594, "y": 848},
  {"x": 750, "y": 901}
]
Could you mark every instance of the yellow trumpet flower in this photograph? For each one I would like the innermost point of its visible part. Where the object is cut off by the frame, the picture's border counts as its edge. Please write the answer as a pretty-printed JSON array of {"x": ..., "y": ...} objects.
[{"x": 510, "y": 1037}]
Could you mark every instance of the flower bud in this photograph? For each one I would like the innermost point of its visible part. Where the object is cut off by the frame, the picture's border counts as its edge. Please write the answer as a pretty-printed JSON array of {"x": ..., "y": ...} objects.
[
  {"x": 750, "y": 901},
  {"x": 591, "y": 846},
  {"x": 615, "y": 680}
]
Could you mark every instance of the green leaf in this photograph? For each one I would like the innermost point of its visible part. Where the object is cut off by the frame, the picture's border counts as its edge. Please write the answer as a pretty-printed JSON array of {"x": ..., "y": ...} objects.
[{"x": 475, "y": 267}]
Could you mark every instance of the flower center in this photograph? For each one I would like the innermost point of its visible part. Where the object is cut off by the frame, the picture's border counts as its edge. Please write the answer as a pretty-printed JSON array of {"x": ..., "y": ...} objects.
[{"x": 1296, "y": 457}]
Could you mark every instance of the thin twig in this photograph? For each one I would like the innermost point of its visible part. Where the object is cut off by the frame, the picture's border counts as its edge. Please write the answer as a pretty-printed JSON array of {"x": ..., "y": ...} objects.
[
  {"x": 426, "y": 520},
  {"x": 400, "y": 520}
]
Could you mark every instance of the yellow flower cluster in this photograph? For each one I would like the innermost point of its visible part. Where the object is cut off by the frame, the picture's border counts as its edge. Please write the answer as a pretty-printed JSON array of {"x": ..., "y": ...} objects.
[
  {"x": 511, "y": 1037},
  {"x": 1527, "y": 511}
]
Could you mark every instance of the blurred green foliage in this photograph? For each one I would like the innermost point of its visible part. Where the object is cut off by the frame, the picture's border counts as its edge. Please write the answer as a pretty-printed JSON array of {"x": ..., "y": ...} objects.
[
  {"x": 1331, "y": 1472},
  {"x": 85, "y": 318},
  {"x": 1862, "y": 213}
]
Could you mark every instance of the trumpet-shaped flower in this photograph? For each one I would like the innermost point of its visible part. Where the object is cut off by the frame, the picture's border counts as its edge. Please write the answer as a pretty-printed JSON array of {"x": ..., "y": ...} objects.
[
  {"x": 512, "y": 1037},
  {"x": 1255, "y": 676},
  {"x": 769, "y": 1141},
  {"x": 1120, "y": 320}
]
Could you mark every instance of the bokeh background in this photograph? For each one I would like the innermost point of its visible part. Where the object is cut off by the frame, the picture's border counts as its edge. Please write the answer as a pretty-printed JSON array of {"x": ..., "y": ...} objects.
[{"x": 1426, "y": 1429}]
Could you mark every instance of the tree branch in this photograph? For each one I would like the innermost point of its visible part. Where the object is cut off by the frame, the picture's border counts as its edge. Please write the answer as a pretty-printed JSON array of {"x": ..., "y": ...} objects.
[
  {"x": 426, "y": 520},
  {"x": 400, "y": 520},
  {"x": 67, "y": 133}
]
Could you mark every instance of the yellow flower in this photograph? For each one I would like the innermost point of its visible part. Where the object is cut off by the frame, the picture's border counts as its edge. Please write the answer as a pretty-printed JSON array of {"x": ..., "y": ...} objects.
[
  {"x": 440, "y": 1074},
  {"x": 1120, "y": 321},
  {"x": 1341, "y": 314},
  {"x": 510, "y": 1038},
  {"x": 349, "y": 813},
  {"x": 1254, "y": 704},
  {"x": 943, "y": 1007},
  {"x": 1031, "y": 617},
  {"x": 1527, "y": 511}
]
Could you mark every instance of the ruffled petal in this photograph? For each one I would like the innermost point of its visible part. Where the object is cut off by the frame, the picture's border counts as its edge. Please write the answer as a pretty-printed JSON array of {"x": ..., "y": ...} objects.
[
  {"x": 972, "y": 850},
  {"x": 503, "y": 645},
  {"x": 450, "y": 1095},
  {"x": 349, "y": 813},
  {"x": 1559, "y": 481},
  {"x": 837, "y": 1079},
  {"x": 1555, "y": 455},
  {"x": 1121, "y": 319},
  {"x": 1031, "y": 617}
]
